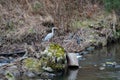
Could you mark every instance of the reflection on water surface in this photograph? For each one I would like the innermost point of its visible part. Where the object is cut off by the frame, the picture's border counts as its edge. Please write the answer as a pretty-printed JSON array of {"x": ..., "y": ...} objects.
[{"x": 101, "y": 64}]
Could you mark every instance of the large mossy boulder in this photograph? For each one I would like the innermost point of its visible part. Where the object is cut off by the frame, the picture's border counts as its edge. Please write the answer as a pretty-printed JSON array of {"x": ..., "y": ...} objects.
[
  {"x": 32, "y": 64},
  {"x": 54, "y": 58}
]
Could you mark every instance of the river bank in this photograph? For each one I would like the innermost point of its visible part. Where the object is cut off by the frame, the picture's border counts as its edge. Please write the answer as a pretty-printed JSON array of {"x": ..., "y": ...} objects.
[{"x": 23, "y": 29}]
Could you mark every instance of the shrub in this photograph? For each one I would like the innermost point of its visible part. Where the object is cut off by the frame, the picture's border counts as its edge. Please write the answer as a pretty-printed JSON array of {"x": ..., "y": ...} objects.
[{"x": 111, "y": 5}]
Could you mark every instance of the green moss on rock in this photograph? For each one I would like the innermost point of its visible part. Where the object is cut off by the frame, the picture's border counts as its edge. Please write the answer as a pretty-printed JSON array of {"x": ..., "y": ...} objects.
[
  {"x": 54, "y": 57},
  {"x": 32, "y": 64}
]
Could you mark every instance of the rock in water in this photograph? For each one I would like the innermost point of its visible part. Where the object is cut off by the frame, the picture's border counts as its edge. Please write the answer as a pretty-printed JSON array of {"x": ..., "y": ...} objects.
[
  {"x": 72, "y": 60},
  {"x": 54, "y": 57},
  {"x": 32, "y": 64}
]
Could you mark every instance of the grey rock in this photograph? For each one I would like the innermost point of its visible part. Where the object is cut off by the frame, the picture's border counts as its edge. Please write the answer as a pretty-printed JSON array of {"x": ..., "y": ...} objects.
[
  {"x": 70, "y": 36},
  {"x": 84, "y": 52},
  {"x": 101, "y": 68},
  {"x": 47, "y": 75},
  {"x": 117, "y": 66},
  {"x": 30, "y": 74},
  {"x": 90, "y": 48},
  {"x": 72, "y": 60}
]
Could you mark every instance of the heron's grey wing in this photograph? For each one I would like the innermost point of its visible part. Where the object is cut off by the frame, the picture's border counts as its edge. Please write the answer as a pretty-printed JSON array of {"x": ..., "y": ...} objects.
[{"x": 50, "y": 35}]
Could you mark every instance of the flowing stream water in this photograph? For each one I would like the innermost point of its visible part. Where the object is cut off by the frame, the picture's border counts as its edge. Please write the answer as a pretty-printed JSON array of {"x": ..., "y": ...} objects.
[{"x": 100, "y": 64}]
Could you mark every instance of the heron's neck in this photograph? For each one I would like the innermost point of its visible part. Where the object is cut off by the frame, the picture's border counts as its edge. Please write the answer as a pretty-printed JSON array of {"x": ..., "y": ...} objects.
[{"x": 52, "y": 30}]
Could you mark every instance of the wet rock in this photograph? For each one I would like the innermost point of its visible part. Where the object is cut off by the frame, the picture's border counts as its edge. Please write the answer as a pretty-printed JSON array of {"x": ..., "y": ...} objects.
[
  {"x": 49, "y": 69},
  {"x": 30, "y": 74},
  {"x": 110, "y": 64},
  {"x": 4, "y": 60},
  {"x": 2, "y": 64},
  {"x": 117, "y": 66},
  {"x": 84, "y": 52},
  {"x": 90, "y": 48},
  {"x": 47, "y": 75},
  {"x": 70, "y": 35},
  {"x": 91, "y": 25},
  {"x": 103, "y": 64},
  {"x": 95, "y": 65},
  {"x": 78, "y": 55},
  {"x": 72, "y": 60},
  {"x": 54, "y": 57},
  {"x": 32, "y": 64},
  {"x": 101, "y": 68}
]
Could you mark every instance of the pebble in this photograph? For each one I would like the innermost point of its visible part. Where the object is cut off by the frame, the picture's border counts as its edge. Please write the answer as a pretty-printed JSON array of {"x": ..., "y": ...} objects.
[
  {"x": 80, "y": 56},
  {"x": 48, "y": 69},
  {"x": 101, "y": 68},
  {"x": 95, "y": 65}
]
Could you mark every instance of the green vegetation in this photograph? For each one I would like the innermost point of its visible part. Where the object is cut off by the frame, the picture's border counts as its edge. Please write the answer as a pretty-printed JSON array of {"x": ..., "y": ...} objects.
[
  {"x": 32, "y": 64},
  {"x": 31, "y": 30},
  {"x": 75, "y": 24},
  {"x": 112, "y": 4},
  {"x": 54, "y": 57},
  {"x": 117, "y": 34},
  {"x": 80, "y": 23},
  {"x": 56, "y": 50},
  {"x": 10, "y": 25},
  {"x": 37, "y": 6},
  {"x": 9, "y": 76}
]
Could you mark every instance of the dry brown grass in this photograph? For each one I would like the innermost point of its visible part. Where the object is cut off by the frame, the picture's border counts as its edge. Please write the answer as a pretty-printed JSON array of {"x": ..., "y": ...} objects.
[
  {"x": 29, "y": 14},
  {"x": 23, "y": 21},
  {"x": 27, "y": 21}
]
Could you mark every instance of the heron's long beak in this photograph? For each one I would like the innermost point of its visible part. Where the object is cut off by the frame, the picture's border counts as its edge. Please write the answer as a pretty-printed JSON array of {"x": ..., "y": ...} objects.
[{"x": 55, "y": 28}]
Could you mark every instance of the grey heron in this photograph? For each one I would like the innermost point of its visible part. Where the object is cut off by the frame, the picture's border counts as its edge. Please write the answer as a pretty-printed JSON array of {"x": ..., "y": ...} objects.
[{"x": 50, "y": 35}]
